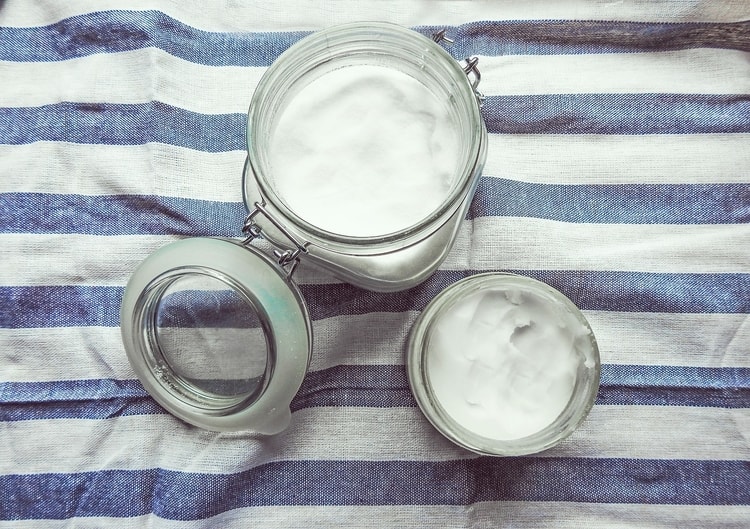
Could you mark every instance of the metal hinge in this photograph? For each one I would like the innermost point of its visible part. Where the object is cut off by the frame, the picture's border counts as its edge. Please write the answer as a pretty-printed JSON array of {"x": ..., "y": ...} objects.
[
  {"x": 470, "y": 66},
  {"x": 287, "y": 258}
]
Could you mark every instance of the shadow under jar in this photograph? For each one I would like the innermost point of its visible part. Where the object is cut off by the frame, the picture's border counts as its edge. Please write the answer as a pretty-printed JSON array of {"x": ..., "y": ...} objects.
[{"x": 365, "y": 145}]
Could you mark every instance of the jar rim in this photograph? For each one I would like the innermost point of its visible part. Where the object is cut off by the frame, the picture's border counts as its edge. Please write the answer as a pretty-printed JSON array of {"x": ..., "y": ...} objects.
[{"x": 378, "y": 33}]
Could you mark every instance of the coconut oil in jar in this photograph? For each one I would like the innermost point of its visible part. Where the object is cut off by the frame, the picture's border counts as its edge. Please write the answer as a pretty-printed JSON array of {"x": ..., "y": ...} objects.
[
  {"x": 365, "y": 145},
  {"x": 503, "y": 364},
  {"x": 364, "y": 151}
]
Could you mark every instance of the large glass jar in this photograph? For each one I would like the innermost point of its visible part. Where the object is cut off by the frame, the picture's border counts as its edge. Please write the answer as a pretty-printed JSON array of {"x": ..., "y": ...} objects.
[
  {"x": 404, "y": 256},
  {"x": 217, "y": 331}
]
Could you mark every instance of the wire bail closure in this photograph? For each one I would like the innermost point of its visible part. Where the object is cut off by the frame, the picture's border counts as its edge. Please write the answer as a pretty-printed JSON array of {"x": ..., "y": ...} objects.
[
  {"x": 439, "y": 36},
  {"x": 470, "y": 67},
  {"x": 286, "y": 257}
]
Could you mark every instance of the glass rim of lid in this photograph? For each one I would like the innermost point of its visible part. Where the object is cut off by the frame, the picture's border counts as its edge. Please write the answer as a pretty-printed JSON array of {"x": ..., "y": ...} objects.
[
  {"x": 343, "y": 40},
  {"x": 577, "y": 409},
  {"x": 265, "y": 287}
]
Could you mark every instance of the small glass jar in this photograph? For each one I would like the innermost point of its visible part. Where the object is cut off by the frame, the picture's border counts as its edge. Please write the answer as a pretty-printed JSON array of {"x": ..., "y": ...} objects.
[
  {"x": 503, "y": 365},
  {"x": 217, "y": 331}
]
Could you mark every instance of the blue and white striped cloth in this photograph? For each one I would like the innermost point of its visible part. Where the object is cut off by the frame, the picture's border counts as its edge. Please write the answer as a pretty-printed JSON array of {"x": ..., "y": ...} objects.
[{"x": 618, "y": 172}]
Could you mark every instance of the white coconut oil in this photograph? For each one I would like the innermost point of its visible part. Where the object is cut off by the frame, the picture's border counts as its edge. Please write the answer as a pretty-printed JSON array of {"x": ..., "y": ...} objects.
[
  {"x": 503, "y": 363},
  {"x": 364, "y": 151}
]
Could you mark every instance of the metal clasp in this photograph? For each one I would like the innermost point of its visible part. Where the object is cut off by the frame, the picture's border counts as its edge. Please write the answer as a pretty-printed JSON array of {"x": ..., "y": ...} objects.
[
  {"x": 284, "y": 256},
  {"x": 470, "y": 67},
  {"x": 439, "y": 36}
]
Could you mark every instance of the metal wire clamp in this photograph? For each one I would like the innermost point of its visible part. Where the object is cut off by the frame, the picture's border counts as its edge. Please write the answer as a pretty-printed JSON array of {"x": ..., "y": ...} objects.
[
  {"x": 286, "y": 257},
  {"x": 470, "y": 67}
]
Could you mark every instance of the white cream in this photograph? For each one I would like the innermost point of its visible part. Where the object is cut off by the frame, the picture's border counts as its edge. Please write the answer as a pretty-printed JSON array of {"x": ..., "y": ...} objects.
[
  {"x": 364, "y": 151},
  {"x": 503, "y": 363}
]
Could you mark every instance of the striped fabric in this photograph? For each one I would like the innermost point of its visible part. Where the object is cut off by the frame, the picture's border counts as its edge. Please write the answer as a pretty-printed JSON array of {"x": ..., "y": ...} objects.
[{"x": 618, "y": 172}]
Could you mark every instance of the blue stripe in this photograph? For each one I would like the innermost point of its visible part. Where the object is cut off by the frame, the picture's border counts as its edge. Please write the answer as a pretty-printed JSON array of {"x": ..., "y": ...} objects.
[
  {"x": 601, "y": 203},
  {"x": 387, "y": 386},
  {"x": 138, "y": 124},
  {"x": 92, "y": 410},
  {"x": 128, "y": 493},
  {"x": 118, "y": 31},
  {"x": 68, "y": 306},
  {"x": 81, "y": 305},
  {"x": 121, "y": 215},
  {"x": 374, "y": 386},
  {"x": 224, "y": 309},
  {"x": 618, "y": 203},
  {"x": 70, "y": 390},
  {"x": 562, "y": 37},
  {"x": 589, "y": 290},
  {"x": 617, "y": 114},
  {"x": 123, "y": 124},
  {"x": 652, "y": 385}
]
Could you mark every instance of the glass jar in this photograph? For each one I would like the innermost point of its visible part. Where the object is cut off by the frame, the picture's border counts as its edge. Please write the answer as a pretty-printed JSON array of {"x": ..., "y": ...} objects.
[
  {"x": 389, "y": 261},
  {"x": 503, "y": 365},
  {"x": 218, "y": 332}
]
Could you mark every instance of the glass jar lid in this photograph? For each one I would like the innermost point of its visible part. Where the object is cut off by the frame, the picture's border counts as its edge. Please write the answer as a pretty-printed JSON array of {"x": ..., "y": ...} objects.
[{"x": 218, "y": 334}]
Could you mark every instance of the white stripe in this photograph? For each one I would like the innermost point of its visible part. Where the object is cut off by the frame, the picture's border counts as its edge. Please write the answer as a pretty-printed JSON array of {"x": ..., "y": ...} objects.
[
  {"x": 119, "y": 78},
  {"x": 151, "y": 169},
  {"x": 479, "y": 515},
  {"x": 489, "y": 515},
  {"x": 507, "y": 243},
  {"x": 614, "y": 159},
  {"x": 699, "y": 340},
  {"x": 79, "y": 259},
  {"x": 652, "y": 432},
  {"x": 696, "y": 71},
  {"x": 132, "y": 77},
  {"x": 379, "y": 338},
  {"x": 78, "y": 353},
  {"x": 228, "y": 15},
  {"x": 538, "y": 158},
  {"x": 658, "y": 432},
  {"x": 491, "y": 243},
  {"x": 97, "y": 352},
  {"x": 107, "y": 260}
]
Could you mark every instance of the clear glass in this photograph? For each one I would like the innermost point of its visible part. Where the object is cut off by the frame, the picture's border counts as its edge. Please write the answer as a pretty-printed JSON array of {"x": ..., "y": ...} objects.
[
  {"x": 375, "y": 44},
  {"x": 206, "y": 339},
  {"x": 209, "y": 337},
  {"x": 584, "y": 390}
]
